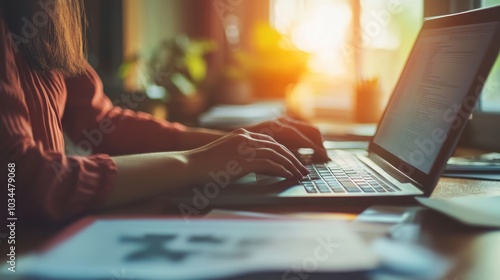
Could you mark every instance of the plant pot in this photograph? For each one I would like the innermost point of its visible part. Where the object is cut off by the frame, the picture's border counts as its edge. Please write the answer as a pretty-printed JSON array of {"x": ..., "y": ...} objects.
[{"x": 273, "y": 85}]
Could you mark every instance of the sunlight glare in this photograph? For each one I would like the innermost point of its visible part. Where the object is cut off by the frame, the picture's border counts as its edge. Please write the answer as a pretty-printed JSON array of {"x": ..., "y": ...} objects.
[
  {"x": 323, "y": 27},
  {"x": 328, "y": 62}
]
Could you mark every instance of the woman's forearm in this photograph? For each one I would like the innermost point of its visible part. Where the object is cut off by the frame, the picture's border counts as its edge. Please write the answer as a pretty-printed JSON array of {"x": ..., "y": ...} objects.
[
  {"x": 142, "y": 176},
  {"x": 147, "y": 175}
]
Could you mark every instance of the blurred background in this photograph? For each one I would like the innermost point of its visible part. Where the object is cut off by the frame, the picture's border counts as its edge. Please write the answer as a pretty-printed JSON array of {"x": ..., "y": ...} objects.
[{"x": 320, "y": 59}]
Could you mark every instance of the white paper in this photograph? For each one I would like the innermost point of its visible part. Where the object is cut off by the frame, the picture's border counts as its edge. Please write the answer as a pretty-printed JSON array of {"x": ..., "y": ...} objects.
[
  {"x": 478, "y": 211},
  {"x": 116, "y": 249}
]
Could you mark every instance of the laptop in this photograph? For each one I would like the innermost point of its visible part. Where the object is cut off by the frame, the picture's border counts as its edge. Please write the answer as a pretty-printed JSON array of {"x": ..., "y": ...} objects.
[{"x": 422, "y": 123}]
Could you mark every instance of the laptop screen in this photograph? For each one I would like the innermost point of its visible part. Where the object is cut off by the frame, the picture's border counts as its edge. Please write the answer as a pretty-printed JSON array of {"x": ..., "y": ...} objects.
[{"x": 438, "y": 75}]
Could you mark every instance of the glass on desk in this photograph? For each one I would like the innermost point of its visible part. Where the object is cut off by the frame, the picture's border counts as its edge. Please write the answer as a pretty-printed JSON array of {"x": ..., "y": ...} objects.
[{"x": 367, "y": 101}]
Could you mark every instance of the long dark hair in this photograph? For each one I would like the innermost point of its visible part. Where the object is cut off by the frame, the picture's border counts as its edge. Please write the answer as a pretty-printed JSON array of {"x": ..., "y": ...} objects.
[{"x": 49, "y": 33}]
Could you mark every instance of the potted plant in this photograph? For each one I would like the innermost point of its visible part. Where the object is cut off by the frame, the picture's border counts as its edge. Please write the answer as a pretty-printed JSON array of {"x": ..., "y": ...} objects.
[
  {"x": 271, "y": 63},
  {"x": 179, "y": 67}
]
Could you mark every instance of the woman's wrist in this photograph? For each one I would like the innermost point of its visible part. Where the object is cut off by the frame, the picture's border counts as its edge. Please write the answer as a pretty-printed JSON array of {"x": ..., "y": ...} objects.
[
  {"x": 193, "y": 138},
  {"x": 197, "y": 166}
]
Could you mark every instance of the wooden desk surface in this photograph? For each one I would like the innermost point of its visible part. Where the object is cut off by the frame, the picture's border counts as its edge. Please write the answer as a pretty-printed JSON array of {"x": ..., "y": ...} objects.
[
  {"x": 453, "y": 187},
  {"x": 474, "y": 252}
]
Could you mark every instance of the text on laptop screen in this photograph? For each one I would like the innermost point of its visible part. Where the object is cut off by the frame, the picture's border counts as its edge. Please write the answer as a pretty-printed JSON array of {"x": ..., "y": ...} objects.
[{"x": 438, "y": 75}]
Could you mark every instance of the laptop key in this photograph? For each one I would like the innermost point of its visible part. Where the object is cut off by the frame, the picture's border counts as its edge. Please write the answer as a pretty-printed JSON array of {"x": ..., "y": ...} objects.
[
  {"x": 345, "y": 179},
  {"x": 314, "y": 176},
  {"x": 332, "y": 180},
  {"x": 385, "y": 185},
  {"x": 323, "y": 188},
  {"x": 388, "y": 188},
  {"x": 350, "y": 187},
  {"x": 338, "y": 190}
]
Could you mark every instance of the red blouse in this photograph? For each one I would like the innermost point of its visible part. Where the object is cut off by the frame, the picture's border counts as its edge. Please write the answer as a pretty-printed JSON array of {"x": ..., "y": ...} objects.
[{"x": 37, "y": 109}]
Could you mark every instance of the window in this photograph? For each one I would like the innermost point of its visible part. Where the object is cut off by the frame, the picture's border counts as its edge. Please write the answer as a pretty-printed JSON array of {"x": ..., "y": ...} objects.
[
  {"x": 318, "y": 27},
  {"x": 350, "y": 39},
  {"x": 490, "y": 97}
]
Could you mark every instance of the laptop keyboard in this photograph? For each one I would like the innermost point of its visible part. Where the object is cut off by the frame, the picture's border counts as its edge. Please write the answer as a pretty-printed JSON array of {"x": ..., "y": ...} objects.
[{"x": 344, "y": 174}]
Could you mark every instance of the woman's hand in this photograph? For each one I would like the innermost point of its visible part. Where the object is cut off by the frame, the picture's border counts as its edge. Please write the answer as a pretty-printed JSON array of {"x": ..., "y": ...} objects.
[
  {"x": 241, "y": 152},
  {"x": 294, "y": 135},
  {"x": 230, "y": 157}
]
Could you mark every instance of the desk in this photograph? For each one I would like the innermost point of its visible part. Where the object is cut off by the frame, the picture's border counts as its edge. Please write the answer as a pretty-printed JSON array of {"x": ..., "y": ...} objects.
[
  {"x": 475, "y": 252},
  {"x": 452, "y": 187}
]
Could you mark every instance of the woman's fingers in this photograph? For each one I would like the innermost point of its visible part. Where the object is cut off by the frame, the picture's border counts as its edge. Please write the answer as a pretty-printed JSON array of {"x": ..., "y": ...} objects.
[
  {"x": 266, "y": 141},
  {"x": 294, "y": 134},
  {"x": 266, "y": 147},
  {"x": 270, "y": 154},
  {"x": 310, "y": 131},
  {"x": 302, "y": 141},
  {"x": 269, "y": 167}
]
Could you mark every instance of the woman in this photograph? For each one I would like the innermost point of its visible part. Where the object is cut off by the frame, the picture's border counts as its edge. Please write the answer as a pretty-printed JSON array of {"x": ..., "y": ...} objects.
[{"x": 47, "y": 89}]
